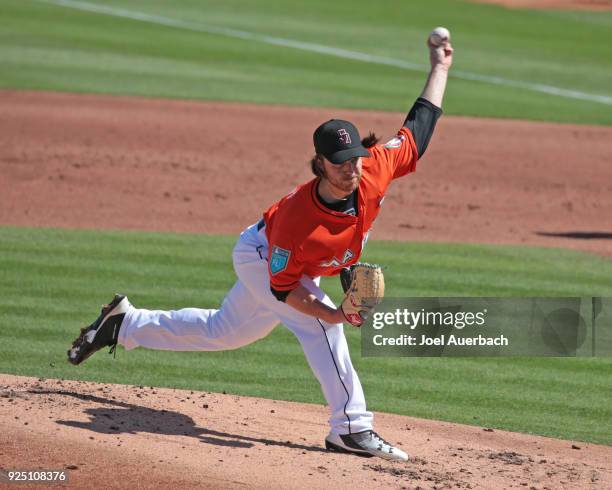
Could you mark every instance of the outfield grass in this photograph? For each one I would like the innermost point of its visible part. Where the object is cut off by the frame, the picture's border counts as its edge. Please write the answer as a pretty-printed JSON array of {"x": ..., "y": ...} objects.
[
  {"x": 50, "y": 47},
  {"x": 54, "y": 280}
]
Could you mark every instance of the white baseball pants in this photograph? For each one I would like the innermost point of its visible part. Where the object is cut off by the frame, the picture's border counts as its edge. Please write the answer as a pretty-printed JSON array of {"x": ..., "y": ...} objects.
[{"x": 248, "y": 313}]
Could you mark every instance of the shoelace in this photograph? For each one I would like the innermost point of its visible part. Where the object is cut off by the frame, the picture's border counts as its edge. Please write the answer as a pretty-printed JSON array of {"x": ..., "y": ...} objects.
[
  {"x": 113, "y": 349},
  {"x": 380, "y": 440},
  {"x": 113, "y": 346}
]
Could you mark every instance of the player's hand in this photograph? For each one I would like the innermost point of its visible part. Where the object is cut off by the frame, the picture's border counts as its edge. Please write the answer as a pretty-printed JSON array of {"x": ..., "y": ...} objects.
[
  {"x": 441, "y": 56},
  {"x": 337, "y": 317},
  {"x": 356, "y": 319}
]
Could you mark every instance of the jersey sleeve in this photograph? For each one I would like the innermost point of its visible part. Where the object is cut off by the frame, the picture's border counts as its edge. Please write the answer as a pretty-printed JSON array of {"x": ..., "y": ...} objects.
[
  {"x": 399, "y": 154},
  {"x": 421, "y": 121}
]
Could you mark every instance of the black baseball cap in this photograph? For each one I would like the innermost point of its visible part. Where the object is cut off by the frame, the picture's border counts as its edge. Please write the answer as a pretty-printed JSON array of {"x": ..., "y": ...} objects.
[{"x": 338, "y": 141}]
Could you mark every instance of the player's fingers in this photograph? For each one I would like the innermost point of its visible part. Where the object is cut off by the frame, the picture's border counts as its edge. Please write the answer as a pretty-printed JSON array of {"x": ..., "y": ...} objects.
[{"x": 430, "y": 44}]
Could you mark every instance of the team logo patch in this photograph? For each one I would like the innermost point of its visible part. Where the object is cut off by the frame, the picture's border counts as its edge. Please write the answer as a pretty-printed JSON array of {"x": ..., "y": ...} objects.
[
  {"x": 395, "y": 142},
  {"x": 279, "y": 259}
]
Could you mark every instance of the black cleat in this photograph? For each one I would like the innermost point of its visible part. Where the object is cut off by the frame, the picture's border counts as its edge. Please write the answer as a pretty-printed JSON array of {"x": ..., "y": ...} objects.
[
  {"x": 366, "y": 443},
  {"x": 103, "y": 332}
]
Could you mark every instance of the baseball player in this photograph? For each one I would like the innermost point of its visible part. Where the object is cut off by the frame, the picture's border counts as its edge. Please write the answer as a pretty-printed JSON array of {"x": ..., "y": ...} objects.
[{"x": 319, "y": 229}]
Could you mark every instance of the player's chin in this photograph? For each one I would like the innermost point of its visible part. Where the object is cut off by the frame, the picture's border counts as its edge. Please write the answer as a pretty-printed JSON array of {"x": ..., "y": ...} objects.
[{"x": 349, "y": 185}]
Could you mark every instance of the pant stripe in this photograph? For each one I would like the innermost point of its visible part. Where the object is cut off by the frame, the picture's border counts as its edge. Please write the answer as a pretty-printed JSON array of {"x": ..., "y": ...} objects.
[{"x": 331, "y": 353}]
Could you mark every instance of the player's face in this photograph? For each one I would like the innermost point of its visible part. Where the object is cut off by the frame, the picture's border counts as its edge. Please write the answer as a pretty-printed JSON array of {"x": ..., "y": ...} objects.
[{"x": 344, "y": 177}]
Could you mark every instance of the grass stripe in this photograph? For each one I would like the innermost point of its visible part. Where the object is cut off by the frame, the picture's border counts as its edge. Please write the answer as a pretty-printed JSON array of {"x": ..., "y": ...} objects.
[{"x": 325, "y": 50}]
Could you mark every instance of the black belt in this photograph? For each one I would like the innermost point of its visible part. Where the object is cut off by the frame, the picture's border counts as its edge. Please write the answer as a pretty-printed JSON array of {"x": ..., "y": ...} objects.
[{"x": 260, "y": 224}]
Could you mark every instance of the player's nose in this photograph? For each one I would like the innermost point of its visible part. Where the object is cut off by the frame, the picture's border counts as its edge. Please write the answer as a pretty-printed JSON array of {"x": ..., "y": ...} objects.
[{"x": 350, "y": 167}]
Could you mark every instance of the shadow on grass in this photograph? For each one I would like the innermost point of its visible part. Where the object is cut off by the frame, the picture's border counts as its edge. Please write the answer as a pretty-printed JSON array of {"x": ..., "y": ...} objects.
[{"x": 126, "y": 418}]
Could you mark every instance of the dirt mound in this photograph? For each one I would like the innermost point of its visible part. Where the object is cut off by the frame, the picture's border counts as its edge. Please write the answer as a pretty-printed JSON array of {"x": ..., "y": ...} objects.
[
  {"x": 84, "y": 161},
  {"x": 119, "y": 436}
]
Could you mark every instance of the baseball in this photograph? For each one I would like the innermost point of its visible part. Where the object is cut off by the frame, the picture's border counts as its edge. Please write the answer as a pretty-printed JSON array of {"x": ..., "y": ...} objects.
[{"x": 439, "y": 35}]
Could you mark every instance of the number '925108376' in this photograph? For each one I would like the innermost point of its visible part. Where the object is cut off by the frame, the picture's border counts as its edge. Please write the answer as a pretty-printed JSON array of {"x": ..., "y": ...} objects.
[{"x": 29, "y": 476}]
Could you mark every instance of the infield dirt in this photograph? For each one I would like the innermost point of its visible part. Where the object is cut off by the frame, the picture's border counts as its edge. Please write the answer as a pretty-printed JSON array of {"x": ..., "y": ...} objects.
[
  {"x": 117, "y": 436},
  {"x": 84, "y": 161}
]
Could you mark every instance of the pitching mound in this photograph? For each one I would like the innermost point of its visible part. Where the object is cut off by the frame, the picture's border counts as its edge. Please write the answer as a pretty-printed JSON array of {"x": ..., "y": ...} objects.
[
  {"x": 117, "y": 162},
  {"x": 118, "y": 436}
]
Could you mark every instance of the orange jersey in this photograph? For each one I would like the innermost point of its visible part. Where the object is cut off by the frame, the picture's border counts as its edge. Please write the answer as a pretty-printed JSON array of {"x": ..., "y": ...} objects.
[{"x": 307, "y": 238}]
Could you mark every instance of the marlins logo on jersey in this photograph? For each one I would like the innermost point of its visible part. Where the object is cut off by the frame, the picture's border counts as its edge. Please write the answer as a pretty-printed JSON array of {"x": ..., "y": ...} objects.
[{"x": 348, "y": 255}]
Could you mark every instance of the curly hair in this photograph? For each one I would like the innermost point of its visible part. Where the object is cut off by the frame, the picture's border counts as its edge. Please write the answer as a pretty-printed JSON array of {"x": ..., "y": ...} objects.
[{"x": 316, "y": 162}]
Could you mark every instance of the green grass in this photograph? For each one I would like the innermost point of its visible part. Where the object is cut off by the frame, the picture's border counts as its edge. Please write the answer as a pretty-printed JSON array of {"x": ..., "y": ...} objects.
[
  {"x": 48, "y": 47},
  {"x": 54, "y": 280}
]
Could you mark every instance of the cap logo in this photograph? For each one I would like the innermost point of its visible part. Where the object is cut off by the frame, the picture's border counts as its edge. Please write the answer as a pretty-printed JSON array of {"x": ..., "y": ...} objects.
[{"x": 344, "y": 136}]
